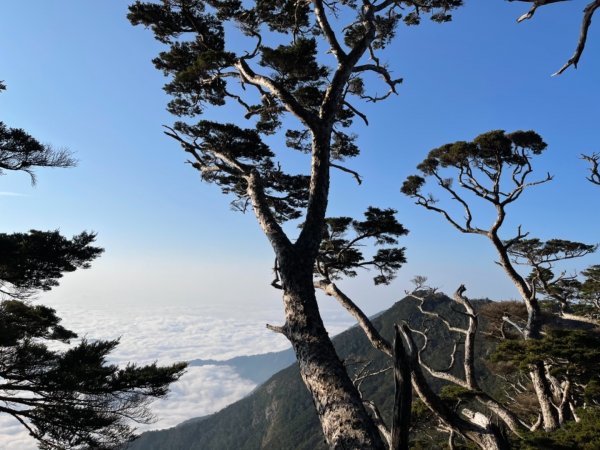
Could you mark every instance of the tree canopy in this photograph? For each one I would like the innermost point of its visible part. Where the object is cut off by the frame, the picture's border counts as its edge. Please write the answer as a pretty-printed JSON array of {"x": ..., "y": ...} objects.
[
  {"x": 35, "y": 261},
  {"x": 297, "y": 70}
]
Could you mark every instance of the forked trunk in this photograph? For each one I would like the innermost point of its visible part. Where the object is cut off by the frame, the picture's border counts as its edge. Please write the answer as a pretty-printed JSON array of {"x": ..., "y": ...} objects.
[
  {"x": 532, "y": 331},
  {"x": 541, "y": 386},
  {"x": 344, "y": 419},
  {"x": 544, "y": 395}
]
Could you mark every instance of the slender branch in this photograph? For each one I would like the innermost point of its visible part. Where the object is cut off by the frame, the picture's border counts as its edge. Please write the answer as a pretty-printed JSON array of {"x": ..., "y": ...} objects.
[
  {"x": 594, "y": 159},
  {"x": 357, "y": 112},
  {"x": 367, "y": 326},
  {"x": 588, "y": 13},
  {"x": 275, "y": 88},
  {"x": 321, "y": 16},
  {"x": 379, "y": 422},
  {"x": 536, "y": 4},
  {"x": 356, "y": 175}
]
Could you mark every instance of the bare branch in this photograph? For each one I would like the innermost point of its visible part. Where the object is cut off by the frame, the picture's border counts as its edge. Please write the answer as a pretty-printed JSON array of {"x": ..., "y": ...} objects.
[
  {"x": 321, "y": 16},
  {"x": 371, "y": 332},
  {"x": 379, "y": 422},
  {"x": 357, "y": 112},
  {"x": 385, "y": 75},
  {"x": 277, "y": 329},
  {"x": 356, "y": 175},
  {"x": 588, "y": 13},
  {"x": 536, "y": 4},
  {"x": 594, "y": 159}
]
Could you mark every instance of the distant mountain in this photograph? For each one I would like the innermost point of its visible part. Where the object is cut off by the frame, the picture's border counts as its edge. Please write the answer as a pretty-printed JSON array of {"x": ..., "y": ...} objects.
[
  {"x": 257, "y": 368},
  {"x": 279, "y": 414}
]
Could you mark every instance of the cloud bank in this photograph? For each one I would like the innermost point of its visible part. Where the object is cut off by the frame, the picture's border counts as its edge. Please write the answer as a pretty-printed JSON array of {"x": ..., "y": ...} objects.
[{"x": 171, "y": 334}]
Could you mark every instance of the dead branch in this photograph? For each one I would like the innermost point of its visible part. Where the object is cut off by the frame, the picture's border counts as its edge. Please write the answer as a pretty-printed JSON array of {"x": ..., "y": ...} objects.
[
  {"x": 588, "y": 13},
  {"x": 594, "y": 159}
]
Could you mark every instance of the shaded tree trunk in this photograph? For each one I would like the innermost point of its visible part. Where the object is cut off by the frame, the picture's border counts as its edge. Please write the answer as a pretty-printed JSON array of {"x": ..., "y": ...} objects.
[
  {"x": 344, "y": 419},
  {"x": 402, "y": 395}
]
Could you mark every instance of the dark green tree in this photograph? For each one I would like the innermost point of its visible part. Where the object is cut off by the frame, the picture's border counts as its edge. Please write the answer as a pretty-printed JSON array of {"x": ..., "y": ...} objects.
[
  {"x": 590, "y": 290},
  {"x": 495, "y": 167},
  {"x": 295, "y": 69},
  {"x": 21, "y": 151},
  {"x": 72, "y": 398},
  {"x": 573, "y": 361},
  {"x": 34, "y": 261}
]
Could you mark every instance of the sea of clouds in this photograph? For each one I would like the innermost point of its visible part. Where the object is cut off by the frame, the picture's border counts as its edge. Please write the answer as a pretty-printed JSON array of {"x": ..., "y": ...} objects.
[{"x": 169, "y": 334}]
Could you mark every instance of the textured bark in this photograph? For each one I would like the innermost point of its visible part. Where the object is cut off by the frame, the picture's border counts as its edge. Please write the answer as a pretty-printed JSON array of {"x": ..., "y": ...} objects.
[
  {"x": 344, "y": 419},
  {"x": 483, "y": 433},
  {"x": 507, "y": 416},
  {"x": 363, "y": 321},
  {"x": 544, "y": 395},
  {"x": 533, "y": 330},
  {"x": 402, "y": 396}
]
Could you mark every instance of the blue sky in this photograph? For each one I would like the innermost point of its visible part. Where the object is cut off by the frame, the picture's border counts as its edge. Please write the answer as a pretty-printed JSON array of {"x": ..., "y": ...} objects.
[{"x": 79, "y": 76}]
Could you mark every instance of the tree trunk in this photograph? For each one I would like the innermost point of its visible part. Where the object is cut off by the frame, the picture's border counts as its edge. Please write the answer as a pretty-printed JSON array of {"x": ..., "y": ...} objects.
[
  {"x": 541, "y": 386},
  {"x": 532, "y": 331},
  {"x": 478, "y": 429},
  {"x": 544, "y": 395},
  {"x": 402, "y": 395},
  {"x": 344, "y": 419}
]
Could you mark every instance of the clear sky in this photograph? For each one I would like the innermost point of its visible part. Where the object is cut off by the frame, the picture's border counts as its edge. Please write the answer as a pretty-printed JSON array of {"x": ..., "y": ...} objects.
[{"x": 79, "y": 76}]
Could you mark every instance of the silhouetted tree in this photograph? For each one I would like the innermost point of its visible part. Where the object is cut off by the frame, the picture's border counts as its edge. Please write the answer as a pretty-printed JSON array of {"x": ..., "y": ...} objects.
[
  {"x": 276, "y": 60},
  {"x": 34, "y": 261}
]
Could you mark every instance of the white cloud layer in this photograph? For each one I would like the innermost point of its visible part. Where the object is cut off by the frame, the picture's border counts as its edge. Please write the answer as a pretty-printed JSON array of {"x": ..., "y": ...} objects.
[{"x": 170, "y": 334}]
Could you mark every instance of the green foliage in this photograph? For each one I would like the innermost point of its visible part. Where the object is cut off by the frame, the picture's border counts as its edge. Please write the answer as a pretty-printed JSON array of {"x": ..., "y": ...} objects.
[
  {"x": 341, "y": 255},
  {"x": 19, "y": 151},
  {"x": 590, "y": 288},
  {"x": 582, "y": 435},
  {"x": 65, "y": 399},
  {"x": 453, "y": 393},
  {"x": 71, "y": 399},
  {"x": 536, "y": 252},
  {"x": 20, "y": 322},
  {"x": 36, "y": 260},
  {"x": 285, "y": 39},
  {"x": 488, "y": 153},
  {"x": 572, "y": 354}
]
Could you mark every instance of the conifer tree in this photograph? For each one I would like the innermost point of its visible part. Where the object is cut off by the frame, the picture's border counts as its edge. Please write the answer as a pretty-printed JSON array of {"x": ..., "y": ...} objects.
[
  {"x": 299, "y": 70},
  {"x": 496, "y": 168},
  {"x": 66, "y": 399}
]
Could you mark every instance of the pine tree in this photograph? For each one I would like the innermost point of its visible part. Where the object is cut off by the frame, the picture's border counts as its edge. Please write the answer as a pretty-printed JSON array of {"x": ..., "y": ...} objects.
[
  {"x": 72, "y": 398},
  {"x": 296, "y": 69}
]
